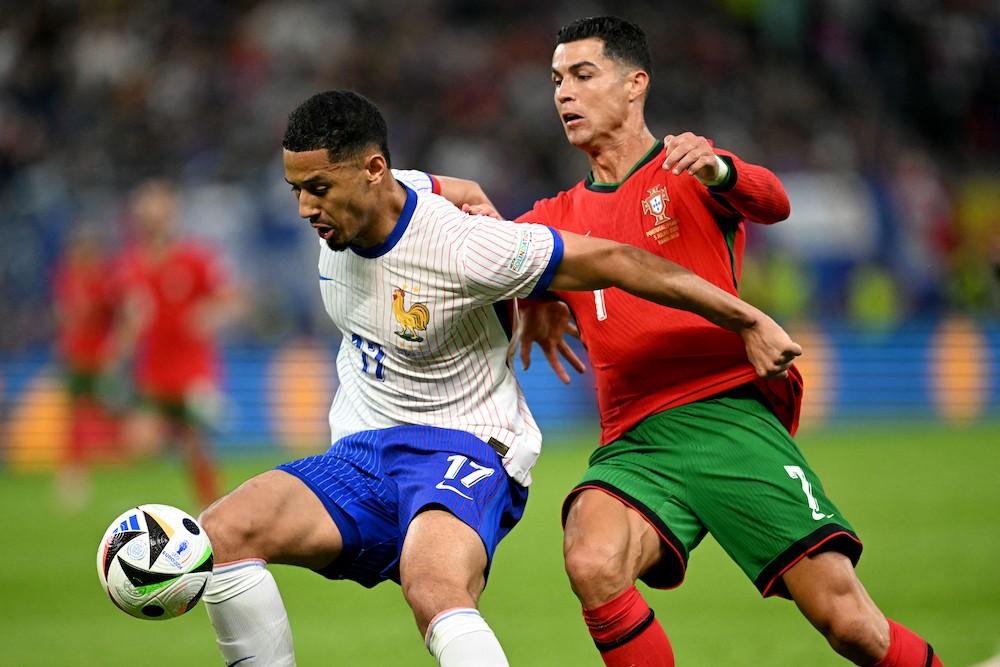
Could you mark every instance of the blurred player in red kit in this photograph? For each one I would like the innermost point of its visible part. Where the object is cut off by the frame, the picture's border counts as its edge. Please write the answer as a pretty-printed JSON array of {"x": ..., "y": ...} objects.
[
  {"x": 85, "y": 301},
  {"x": 176, "y": 297}
]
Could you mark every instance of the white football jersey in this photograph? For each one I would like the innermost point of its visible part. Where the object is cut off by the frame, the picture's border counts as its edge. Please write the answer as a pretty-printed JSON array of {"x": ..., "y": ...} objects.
[{"x": 427, "y": 320}]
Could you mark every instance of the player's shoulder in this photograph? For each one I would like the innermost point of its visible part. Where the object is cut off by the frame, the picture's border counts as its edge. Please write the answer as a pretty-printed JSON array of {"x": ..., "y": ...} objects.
[
  {"x": 434, "y": 216},
  {"x": 416, "y": 180},
  {"x": 549, "y": 210}
]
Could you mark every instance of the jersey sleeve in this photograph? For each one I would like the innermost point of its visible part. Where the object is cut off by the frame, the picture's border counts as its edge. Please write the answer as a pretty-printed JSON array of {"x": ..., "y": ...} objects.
[
  {"x": 751, "y": 190},
  {"x": 504, "y": 260},
  {"x": 418, "y": 181}
]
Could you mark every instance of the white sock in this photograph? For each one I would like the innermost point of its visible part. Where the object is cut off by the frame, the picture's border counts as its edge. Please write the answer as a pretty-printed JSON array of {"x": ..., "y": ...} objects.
[
  {"x": 251, "y": 625},
  {"x": 460, "y": 637}
]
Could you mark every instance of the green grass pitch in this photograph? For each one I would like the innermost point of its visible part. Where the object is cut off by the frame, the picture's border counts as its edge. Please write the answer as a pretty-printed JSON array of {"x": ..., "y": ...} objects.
[{"x": 925, "y": 500}]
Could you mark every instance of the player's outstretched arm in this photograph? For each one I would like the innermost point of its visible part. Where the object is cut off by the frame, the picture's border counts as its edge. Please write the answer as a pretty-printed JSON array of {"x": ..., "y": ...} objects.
[
  {"x": 591, "y": 263},
  {"x": 463, "y": 192}
]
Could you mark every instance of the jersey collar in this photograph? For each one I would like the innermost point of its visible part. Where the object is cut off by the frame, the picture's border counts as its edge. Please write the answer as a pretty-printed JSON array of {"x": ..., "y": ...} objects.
[
  {"x": 595, "y": 186},
  {"x": 397, "y": 232}
]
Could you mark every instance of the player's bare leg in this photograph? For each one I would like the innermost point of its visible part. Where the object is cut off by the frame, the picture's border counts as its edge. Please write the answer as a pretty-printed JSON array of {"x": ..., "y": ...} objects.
[
  {"x": 271, "y": 518},
  {"x": 607, "y": 547},
  {"x": 144, "y": 433},
  {"x": 201, "y": 463},
  {"x": 442, "y": 571},
  {"x": 829, "y": 594}
]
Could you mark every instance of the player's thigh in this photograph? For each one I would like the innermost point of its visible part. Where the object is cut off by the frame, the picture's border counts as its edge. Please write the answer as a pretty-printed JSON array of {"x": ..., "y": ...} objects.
[
  {"x": 757, "y": 495},
  {"x": 603, "y": 537},
  {"x": 275, "y": 517},
  {"x": 826, "y": 589},
  {"x": 643, "y": 475},
  {"x": 454, "y": 471},
  {"x": 442, "y": 557}
]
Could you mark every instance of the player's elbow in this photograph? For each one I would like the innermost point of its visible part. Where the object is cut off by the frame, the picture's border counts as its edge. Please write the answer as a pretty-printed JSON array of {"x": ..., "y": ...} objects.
[
  {"x": 779, "y": 209},
  {"x": 783, "y": 210},
  {"x": 626, "y": 267}
]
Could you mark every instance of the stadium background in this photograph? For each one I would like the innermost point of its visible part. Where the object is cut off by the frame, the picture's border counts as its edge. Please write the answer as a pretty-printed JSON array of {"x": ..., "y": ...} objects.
[{"x": 881, "y": 117}]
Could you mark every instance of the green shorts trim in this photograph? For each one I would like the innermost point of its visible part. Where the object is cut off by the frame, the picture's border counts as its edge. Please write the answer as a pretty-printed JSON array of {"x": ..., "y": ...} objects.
[{"x": 724, "y": 466}]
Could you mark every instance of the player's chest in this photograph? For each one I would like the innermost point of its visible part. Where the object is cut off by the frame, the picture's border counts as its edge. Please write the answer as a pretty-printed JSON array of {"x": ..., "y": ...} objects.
[
  {"x": 172, "y": 283},
  {"x": 408, "y": 311},
  {"x": 658, "y": 215}
]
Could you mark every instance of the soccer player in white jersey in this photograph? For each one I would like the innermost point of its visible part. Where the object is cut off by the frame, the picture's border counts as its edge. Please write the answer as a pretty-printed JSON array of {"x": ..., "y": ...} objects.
[{"x": 432, "y": 441}]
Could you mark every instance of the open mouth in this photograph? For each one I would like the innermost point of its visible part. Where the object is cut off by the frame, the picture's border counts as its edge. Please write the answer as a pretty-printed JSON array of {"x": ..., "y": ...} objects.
[
  {"x": 324, "y": 231},
  {"x": 571, "y": 118}
]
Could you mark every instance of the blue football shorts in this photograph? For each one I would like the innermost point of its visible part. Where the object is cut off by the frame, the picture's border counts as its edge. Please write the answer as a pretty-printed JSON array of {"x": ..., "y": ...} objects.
[{"x": 374, "y": 483}]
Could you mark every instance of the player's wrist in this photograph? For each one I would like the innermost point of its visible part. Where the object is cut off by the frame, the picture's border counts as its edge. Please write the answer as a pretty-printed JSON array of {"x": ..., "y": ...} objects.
[{"x": 721, "y": 174}]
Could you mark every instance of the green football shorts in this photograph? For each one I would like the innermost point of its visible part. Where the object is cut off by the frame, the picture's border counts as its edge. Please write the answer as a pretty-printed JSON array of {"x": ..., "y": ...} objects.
[{"x": 724, "y": 466}]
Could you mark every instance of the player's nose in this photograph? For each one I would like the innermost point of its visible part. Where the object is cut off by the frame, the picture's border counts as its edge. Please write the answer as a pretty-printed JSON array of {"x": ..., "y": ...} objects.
[{"x": 308, "y": 207}]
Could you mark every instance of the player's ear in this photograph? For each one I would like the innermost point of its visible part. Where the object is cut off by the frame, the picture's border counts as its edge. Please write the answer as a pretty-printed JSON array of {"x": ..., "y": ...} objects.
[
  {"x": 376, "y": 167},
  {"x": 639, "y": 83}
]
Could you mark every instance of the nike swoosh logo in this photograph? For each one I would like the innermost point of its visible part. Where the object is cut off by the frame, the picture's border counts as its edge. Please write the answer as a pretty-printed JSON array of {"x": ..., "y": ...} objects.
[
  {"x": 443, "y": 487},
  {"x": 249, "y": 657}
]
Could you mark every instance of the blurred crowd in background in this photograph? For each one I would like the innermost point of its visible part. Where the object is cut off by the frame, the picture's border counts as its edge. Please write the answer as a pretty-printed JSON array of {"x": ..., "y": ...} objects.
[{"x": 882, "y": 117}]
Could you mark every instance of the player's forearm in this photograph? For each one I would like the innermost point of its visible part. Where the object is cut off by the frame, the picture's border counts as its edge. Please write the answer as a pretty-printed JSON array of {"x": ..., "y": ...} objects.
[
  {"x": 461, "y": 191},
  {"x": 606, "y": 264},
  {"x": 669, "y": 284}
]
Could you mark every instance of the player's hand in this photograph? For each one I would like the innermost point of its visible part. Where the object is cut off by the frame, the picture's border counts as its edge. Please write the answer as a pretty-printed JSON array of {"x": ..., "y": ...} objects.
[
  {"x": 481, "y": 209},
  {"x": 769, "y": 348},
  {"x": 547, "y": 323},
  {"x": 691, "y": 153}
]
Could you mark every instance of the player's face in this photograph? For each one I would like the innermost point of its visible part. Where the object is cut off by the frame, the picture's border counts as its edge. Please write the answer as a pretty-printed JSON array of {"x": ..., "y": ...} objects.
[
  {"x": 333, "y": 196},
  {"x": 591, "y": 92}
]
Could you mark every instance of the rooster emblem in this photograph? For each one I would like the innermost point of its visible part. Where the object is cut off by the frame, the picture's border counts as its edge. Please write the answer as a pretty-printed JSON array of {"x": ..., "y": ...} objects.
[{"x": 412, "y": 319}]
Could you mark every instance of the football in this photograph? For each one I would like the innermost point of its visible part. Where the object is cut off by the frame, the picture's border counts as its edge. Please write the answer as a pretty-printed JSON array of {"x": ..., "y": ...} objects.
[{"x": 155, "y": 562}]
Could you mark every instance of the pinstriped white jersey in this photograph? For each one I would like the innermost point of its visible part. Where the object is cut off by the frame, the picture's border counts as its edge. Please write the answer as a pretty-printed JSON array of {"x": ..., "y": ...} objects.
[{"x": 426, "y": 324}]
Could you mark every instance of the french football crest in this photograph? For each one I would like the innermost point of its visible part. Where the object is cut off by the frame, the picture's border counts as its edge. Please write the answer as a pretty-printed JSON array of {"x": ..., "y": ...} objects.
[
  {"x": 655, "y": 203},
  {"x": 412, "y": 319}
]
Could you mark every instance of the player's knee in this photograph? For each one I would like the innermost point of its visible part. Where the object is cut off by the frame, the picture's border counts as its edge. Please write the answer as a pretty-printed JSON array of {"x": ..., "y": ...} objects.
[
  {"x": 430, "y": 593},
  {"x": 595, "y": 571},
  {"x": 231, "y": 532},
  {"x": 857, "y": 636}
]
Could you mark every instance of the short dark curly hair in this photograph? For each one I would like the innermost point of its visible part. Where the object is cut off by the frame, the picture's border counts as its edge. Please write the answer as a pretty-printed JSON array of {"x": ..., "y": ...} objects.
[
  {"x": 340, "y": 121},
  {"x": 624, "y": 42}
]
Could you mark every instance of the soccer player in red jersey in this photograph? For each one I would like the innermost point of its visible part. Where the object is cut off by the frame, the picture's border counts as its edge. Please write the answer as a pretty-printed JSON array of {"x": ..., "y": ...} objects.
[
  {"x": 85, "y": 308},
  {"x": 693, "y": 441},
  {"x": 176, "y": 298}
]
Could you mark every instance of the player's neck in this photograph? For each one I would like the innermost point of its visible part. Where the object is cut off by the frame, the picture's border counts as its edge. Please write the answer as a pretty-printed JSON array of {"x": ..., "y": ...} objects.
[
  {"x": 392, "y": 201},
  {"x": 611, "y": 160}
]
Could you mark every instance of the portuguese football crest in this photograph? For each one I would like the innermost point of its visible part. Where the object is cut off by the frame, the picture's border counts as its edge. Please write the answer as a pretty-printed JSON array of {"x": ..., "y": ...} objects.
[
  {"x": 655, "y": 203},
  {"x": 663, "y": 228}
]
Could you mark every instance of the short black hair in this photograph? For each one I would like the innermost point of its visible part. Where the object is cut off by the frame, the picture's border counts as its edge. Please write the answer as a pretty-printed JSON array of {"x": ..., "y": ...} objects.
[
  {"x": 340, "y": 121},
  {"x": 624, "y": 42}
]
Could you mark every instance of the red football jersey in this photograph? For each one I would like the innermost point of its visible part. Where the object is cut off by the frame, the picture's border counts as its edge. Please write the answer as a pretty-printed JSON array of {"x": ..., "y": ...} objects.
[
  {"x": 85, "y": 299},
  {"x": 646, "y": 357},
  {"x": 174, "y": 347}
]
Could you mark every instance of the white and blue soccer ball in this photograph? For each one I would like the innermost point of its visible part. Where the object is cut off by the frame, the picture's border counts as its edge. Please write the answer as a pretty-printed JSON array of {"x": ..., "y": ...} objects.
[{"x": 155, "y": 562}]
